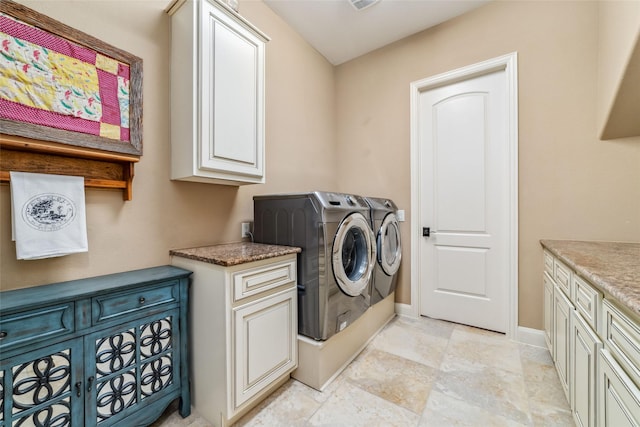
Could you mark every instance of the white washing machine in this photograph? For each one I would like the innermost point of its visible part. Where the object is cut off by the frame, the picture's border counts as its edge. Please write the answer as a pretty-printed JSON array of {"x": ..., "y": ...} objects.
[
  {"x": 337, "y": 258},
  {"x": 386, "y": 229}
]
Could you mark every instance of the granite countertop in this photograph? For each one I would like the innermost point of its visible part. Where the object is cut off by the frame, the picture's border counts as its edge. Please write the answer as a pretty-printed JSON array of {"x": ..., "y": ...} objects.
[
  {"x": 234, "y": 253},
  {"x": 613, "y": 267}
]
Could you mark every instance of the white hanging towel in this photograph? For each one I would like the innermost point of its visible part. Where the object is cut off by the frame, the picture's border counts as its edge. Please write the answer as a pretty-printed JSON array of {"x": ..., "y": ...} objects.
[{"x": 48, "y": 215}]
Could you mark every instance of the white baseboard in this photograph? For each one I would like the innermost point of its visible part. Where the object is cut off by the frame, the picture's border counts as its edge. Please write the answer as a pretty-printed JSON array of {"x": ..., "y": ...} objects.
[
  {"x": 531, "y": 336},
  {"x": 524, "y": 335},
  {"x": 406, "y": 310}
]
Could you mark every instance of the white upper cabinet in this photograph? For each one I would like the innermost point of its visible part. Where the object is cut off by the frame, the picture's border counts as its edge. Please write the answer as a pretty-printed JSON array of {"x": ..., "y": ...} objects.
[{"x": 217, "y": 95}]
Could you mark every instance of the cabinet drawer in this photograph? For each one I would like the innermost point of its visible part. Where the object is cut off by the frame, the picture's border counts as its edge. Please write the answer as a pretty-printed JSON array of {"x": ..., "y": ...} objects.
[
  {"x": 622, "y": 336},
  {"x": 548, "y": 263},
  {"x": 562, "y": 276},
  {"x": 587, "y": 300},
  {"x": 36, "y": 325},
  {"x": 108, "y": 307},
  {"x": 260, "y": 279}
]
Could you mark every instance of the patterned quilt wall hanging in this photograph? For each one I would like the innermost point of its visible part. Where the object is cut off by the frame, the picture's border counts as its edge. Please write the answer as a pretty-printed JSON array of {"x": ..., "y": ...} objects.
[{"x": 61, "y": 85}]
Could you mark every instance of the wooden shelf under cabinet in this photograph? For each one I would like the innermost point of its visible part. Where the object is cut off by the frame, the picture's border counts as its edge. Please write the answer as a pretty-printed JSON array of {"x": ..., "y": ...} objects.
[{"x": 100, "y": 169}]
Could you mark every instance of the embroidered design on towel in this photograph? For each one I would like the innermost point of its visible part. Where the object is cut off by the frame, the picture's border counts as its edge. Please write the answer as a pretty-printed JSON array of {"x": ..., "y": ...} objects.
[{"x": 49, "y": 212}]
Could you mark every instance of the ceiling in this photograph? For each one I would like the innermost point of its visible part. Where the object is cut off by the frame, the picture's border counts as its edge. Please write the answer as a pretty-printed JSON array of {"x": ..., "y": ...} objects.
[{"x": 340, "y": 32}]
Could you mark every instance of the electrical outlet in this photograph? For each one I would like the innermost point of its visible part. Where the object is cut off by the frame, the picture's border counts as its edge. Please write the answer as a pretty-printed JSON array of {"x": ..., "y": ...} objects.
[{"x": 246, "y": 229}]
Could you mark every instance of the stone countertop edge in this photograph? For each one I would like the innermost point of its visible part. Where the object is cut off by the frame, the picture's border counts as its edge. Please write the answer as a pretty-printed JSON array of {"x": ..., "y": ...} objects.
[
  {"x": 230, "y": 254},
  {"x": 613, "y": 267}
]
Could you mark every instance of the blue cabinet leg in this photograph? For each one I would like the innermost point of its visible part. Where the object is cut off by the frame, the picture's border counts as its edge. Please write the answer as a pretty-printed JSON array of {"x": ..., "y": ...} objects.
[{"x": 185, "y": 405}]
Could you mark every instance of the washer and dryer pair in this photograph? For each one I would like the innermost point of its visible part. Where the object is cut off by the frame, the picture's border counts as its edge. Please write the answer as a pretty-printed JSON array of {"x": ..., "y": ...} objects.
[{"x": 345, "y": 265}]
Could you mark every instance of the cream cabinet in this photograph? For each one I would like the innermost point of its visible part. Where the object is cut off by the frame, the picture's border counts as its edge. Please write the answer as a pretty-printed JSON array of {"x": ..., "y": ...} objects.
[
  {"x": 619, "y": 397},
  {"x": 548, "y": 313},
  {"x": 548, "y": 285},
  {"x": 217, "y": 95},
  {"x": 585, "y": 346},
  {"x": 562, "y": 313},
  {"x": 595, "y": 346},
  {"x": 558, "y": 317},
  {"x": 244, "y": 341}
]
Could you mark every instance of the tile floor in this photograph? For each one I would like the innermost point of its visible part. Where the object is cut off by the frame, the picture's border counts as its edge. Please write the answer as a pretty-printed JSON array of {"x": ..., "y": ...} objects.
[{"x": 422, "y": 373}]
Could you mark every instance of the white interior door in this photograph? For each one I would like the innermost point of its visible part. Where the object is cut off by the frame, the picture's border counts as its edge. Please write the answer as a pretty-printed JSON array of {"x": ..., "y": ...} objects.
[{"x": 464, "y": 265}]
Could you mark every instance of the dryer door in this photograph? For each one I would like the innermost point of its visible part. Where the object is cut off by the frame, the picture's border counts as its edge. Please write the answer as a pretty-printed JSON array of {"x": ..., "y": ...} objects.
[
  {"x": 354, "y": 253},
  {"x": 389, "y": 246}
]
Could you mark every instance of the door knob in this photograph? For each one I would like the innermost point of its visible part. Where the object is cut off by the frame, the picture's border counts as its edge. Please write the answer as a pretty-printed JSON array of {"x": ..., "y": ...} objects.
[{"x": 427, "y": 232}]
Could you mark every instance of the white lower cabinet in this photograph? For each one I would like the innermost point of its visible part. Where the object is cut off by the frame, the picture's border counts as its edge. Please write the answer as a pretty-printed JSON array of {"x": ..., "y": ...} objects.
[
  {"x": 622, "y": 337},
  {"x": 619, "y": 397},
  {"x": 585, "y": 346},
  {"x": 548, "y": 313},
  {"x": 263, "y": 347},
  {"x": 595, "y": 346},
  {"x": 244, "y": 341},
  {"x": 562, "y": 309}
]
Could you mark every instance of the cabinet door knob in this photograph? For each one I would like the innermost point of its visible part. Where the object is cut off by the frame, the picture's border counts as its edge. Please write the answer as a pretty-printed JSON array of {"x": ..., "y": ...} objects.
[
  {"x": 141, "y": 300},
  {"x": 89, "y": 383},
  {"x": 3, "y": 334},
  {"x": 78, "y": 388}
]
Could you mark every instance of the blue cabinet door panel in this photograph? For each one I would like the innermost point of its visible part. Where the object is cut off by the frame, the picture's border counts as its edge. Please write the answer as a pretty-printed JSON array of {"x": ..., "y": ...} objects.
[
  {"x": 47, "y": 386},
  {"x": 134, "y": 364}
]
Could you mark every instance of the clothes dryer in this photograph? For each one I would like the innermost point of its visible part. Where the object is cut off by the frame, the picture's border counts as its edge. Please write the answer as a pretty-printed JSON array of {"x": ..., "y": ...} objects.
[
  {"x": 384, "y": 223},
  {"x": 337, "y": 258}
]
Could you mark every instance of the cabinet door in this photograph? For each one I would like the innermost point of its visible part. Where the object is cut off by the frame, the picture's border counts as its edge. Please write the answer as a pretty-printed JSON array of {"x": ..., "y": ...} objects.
[
  {"x": 265, "y": 347},
  {"x": 562, "y": 309},
  {"x": 43, "y": 387},
  {"x": 232, "y": 88},
  {"x": 584, "y": 347},
  {"x": 130, "y": 366},
  {"x": 619, "y": 397},
  {"x": 548, "y": 312}
]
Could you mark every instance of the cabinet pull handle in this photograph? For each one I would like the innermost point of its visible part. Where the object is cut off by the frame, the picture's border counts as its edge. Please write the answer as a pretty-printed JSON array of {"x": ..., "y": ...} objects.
[
  {"x": 3, "y": 334},
  {"x": 89, "y": 383},
  {"x": 141, "y": 300},
  {"x": 78, "y": 388}
]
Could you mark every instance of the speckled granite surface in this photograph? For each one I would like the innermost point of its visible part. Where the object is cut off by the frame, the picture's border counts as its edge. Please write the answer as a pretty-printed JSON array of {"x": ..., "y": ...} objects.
[
  {"x": 234, "y": 253},
  {"x": 613, "y": 267}
]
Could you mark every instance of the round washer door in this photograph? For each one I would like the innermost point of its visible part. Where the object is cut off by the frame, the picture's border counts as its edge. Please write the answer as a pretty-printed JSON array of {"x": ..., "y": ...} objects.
[
  {"x": 354, "y": 253},
  {"x": 389, "y": 245}
]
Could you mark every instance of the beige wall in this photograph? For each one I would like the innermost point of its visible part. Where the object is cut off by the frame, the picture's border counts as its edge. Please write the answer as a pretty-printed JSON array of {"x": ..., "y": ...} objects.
[
  {"x": 571, "y": 185},
  {"x": 165, "y": 214},
  {"x": 347, "y": 128}
]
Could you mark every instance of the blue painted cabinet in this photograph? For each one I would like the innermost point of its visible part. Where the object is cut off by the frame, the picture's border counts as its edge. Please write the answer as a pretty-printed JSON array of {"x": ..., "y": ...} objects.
[{"x": 105, "y": 351}]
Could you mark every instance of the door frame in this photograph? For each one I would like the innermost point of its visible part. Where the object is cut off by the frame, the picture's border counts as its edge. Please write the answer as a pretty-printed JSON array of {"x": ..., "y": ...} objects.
[{"x": 509, "y": 64}]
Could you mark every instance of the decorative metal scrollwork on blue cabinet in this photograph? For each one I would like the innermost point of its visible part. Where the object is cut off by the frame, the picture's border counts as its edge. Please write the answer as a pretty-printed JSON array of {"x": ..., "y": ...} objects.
[
  {"x": 113, "y": 353},
  {"x": 42, "y": 390}
]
